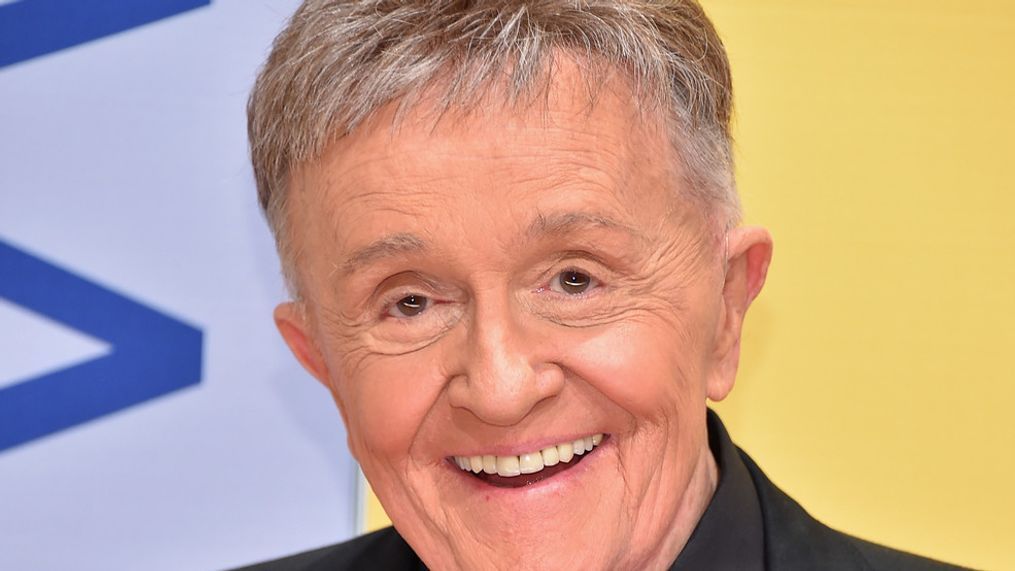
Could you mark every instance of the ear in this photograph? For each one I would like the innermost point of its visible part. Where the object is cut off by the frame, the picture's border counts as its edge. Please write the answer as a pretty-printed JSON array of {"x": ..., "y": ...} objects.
[
  {"x": 748, "y": 253},
  {"x": 292, "y": 323}
]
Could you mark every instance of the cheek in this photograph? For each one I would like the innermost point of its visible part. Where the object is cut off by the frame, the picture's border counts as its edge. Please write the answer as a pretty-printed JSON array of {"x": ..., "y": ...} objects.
[
  {"x": 645, "y": 368},
  {"x": 386, "y": 401}
]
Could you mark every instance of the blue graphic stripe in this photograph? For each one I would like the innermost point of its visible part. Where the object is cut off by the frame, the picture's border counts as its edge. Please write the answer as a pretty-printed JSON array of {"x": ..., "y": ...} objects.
[
  {"x": 66, "y": 298},
  {"x": 32, "y": 28},
  {"x": 70, "y": 397},
  {"x": 152, "y": 353}
]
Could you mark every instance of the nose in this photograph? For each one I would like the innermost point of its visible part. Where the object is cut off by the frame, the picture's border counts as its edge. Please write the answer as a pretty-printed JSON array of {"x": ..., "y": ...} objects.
[{"x": 506, "y": 369}]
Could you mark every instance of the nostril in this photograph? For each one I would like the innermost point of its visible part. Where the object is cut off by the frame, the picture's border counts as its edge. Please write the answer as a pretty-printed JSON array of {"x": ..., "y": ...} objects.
[{"x": 504, "y": 404}]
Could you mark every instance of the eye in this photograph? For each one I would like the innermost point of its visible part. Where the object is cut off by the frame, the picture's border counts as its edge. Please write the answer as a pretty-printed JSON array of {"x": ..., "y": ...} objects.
[
  {"x": 409, "y": 306},
  {"x": 572, "y": 282}
]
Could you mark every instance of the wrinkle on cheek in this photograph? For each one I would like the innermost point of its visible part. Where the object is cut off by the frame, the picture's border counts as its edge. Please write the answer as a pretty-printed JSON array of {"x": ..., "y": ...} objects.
[
  {"x": 647, "y": 312},
  {"x": 642, "y": 496},
  {"x": 343, "y": 334},
  {"x": 670, "y": 287}
]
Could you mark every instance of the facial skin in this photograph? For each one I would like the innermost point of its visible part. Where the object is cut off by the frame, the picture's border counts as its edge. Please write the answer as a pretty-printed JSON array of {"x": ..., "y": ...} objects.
[{"x": 564, "y": 287}]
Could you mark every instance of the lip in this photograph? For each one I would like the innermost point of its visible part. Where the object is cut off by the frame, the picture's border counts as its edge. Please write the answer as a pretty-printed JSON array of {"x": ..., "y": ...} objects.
[{"x": 555, "y": 484}]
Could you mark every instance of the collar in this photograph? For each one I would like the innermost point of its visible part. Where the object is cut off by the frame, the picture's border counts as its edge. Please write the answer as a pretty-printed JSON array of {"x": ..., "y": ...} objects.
[{"x": 731, "y": 532}]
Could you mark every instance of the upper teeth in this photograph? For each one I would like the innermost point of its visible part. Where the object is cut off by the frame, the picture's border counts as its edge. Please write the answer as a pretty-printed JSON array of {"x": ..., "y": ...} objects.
[{"x": 530, "y": 462}]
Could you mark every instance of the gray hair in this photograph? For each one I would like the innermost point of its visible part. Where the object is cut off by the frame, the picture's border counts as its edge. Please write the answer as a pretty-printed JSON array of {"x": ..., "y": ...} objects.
[{"x": 338, "y": 61}]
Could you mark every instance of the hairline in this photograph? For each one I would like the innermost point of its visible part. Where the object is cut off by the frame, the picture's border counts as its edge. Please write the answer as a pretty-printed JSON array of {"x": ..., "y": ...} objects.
[{"x": 439, "y": 94}]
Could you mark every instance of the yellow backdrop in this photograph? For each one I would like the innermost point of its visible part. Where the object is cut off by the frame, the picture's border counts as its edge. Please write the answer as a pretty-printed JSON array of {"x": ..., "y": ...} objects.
[{"x": 875, "y": 140}]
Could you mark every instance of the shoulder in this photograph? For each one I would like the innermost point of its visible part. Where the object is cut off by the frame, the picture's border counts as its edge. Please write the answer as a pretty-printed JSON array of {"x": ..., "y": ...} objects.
[
  {"x": 383, "y": 550},
  {"x": 796, "y": 540},
  {"x": 880, "y": 557}
]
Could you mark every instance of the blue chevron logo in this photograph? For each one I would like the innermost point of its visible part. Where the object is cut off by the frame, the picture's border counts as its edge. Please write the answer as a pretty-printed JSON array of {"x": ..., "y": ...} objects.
[
  {"x": 152, "y": 354},
  {"x": 33, "y": 28}
]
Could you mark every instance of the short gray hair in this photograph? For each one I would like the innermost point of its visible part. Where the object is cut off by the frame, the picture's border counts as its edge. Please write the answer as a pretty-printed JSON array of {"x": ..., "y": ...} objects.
[{"x": 338, "y": 61}]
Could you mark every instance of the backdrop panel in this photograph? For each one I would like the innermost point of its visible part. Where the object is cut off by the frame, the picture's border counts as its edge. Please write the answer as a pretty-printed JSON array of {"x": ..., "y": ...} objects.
[
  {"x": 150, "y": 416},
  {"x": 875, "y": 138}
]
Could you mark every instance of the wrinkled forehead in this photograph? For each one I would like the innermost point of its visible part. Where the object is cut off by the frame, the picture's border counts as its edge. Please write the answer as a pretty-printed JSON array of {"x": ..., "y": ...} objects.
[
  {"x": 419, "y": 170},
  {"x": 601, "y": 136}
]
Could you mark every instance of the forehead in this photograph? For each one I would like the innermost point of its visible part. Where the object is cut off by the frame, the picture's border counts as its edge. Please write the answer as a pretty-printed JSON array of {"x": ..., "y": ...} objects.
[{"x": 574, "y": 149}]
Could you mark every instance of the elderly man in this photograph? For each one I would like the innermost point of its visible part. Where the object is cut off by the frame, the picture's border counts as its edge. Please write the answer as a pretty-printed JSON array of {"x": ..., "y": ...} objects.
[{"x": 511, "y": 232}]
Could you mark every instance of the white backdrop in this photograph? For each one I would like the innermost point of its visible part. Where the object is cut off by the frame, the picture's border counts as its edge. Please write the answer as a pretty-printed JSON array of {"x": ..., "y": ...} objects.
[{"x": 123, "y": 161}]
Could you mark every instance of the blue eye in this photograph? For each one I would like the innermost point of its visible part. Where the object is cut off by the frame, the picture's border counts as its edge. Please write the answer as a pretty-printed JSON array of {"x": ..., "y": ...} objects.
[
  {"x": 572, "y": 282},
  {"x": 409, "y": 306}
]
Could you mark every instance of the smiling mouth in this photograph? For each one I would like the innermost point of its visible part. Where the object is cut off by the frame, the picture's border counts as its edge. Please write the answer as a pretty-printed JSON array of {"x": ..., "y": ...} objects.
[{"x": 530, "y": 468}]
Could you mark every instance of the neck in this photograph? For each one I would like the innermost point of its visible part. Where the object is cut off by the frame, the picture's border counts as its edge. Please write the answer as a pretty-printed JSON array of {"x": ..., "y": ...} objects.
[{"x": 695, "y": 501}]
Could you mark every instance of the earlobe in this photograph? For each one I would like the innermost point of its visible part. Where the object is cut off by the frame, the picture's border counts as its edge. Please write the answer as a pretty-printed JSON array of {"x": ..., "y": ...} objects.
[
  {"x": 292, "y": 323},
  {"x": 748, "y": 254}
]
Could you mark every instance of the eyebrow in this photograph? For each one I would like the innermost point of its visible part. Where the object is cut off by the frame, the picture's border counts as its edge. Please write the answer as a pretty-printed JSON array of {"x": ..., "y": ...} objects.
[
  {"x": 388, "y": 246},
  {"x": 569, "y": 222}
]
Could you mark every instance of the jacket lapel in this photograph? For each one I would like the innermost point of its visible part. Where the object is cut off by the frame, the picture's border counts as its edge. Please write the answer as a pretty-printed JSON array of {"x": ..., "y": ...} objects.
[{"x": 793, "y": 539}]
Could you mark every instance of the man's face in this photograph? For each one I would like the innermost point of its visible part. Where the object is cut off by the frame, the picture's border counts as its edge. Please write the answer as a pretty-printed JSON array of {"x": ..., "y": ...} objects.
[{"x": 503, "y": 283}]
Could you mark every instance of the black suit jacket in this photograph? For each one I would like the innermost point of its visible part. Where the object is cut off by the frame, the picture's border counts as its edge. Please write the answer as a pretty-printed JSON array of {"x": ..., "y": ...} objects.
[{"x": 794, "y": 541}]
